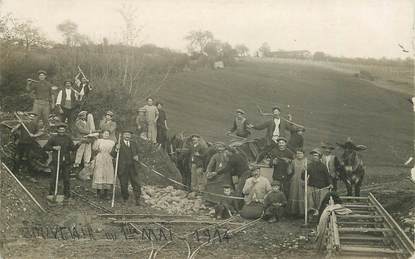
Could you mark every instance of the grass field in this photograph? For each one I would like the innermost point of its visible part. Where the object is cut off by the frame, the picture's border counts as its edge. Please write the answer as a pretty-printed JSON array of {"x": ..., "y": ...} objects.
[{"x": 331, "y": 104}]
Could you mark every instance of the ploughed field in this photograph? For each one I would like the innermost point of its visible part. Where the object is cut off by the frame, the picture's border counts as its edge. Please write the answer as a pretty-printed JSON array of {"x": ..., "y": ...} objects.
[{"x": 332, "y": 106}]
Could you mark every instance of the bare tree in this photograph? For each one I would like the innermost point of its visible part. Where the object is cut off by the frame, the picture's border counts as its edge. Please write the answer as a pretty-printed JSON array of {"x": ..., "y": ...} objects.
[
  {"x": 242, "y": 50},
  {"x": 198, "y": 40},
  {"x": 68, "y": 29}
]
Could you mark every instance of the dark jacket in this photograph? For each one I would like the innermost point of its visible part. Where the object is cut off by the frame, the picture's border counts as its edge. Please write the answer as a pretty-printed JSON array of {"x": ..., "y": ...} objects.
[
  {"x": 318, "y": 175},
  {"x": 66, "y": 144},
  {"x": 126, "y": 157},
  {"x": 270, "y": 127},
  {"x": 296, "y": 141},
  {"x": 275, "y": 197},
  {"x": 197, "y": 155},
  {"x": 281, "y": 167},
  {"x": 241, "y": 131}
]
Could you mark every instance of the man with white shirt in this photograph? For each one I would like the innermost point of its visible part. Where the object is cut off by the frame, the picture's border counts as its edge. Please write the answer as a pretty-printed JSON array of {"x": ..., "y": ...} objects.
[
  {"x": 276, "y": 127},
  {"x": 328, "y": 160},
  {"x": 66, "y": 103}
]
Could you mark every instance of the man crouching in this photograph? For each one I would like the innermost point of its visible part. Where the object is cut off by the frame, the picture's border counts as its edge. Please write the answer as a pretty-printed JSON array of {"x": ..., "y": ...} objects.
[{"x": 274, "y": 203}]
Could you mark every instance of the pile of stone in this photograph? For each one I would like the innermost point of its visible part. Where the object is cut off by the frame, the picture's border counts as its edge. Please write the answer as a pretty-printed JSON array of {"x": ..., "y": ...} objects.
[{"x": 173, "y": 201}]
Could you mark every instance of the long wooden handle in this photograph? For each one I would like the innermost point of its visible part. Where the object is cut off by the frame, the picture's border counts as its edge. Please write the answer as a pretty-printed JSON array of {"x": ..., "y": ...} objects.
[
  {"x": 116, "y": 172},
  {"x": 57, "y": 172},
  {"x": 21, "y": 122},
  {"x": 24, "y": 188}
]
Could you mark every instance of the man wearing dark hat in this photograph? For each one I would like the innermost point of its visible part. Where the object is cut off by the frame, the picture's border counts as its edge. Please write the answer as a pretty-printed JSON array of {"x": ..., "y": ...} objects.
[
  {"x": 43, "y": 96},
  {"x": 66, "y": 103},
  {"x": 274, "y": 203},
  {"x": 319, "y": 180},
  {"x": 276, "y": 127},
  {"x": 329, "y": 160},
  {"x": 240, "y": 125},
  {"x": 127, "y": 166},
  {"x": 65, "y": 144},
  {"x": 216, "y": 171},
  {"x": 281, "y": 158},
  {"x": 26, "y": 140}
]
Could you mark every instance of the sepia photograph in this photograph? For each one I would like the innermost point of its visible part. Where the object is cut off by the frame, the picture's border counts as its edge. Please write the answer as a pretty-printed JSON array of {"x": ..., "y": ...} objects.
[{"x": 215, "y": 129}]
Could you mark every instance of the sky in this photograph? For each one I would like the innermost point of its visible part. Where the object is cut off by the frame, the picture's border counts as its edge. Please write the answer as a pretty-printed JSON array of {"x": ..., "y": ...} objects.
[{"x": 352, "y": 28}]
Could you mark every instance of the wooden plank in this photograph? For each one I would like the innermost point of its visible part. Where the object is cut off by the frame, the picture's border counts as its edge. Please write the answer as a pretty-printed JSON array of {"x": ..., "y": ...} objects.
[
  {"x": 369, "y": 250},
  {"x": 348, "y": 205},
  {"x": 360, "y": 216},
  {"x": 359, "y": 223},
  {"x": 336, "y": 239},
  {"x": 365, "y": 230},
  {"x": 144, "y": 215},
  {"x": 363, "y": 238},
  {"x": 149, "y": 221},
  {"x": 353, "y": 198}
]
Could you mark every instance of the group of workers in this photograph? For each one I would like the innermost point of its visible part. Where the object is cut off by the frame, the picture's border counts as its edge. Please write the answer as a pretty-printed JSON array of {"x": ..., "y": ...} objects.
[{"x": 99, "y": 147}]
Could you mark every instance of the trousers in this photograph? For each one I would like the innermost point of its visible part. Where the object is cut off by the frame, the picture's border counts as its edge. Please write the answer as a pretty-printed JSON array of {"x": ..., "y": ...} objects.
[
  {"x": 42, "y": 108},
  {"x": 64, "y": 175},
  {"x": 129, "y": 174},
  {"x": 84, "y": 151},
  {"x": 198, "y": 180}
]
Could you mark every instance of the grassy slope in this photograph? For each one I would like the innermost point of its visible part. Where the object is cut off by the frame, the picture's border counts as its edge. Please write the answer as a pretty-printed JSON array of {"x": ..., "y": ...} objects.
[{"x": 330, "y": 104}]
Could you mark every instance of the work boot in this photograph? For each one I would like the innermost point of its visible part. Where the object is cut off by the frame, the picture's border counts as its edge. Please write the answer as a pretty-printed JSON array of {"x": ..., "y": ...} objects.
[
  {"x": 99, "y": 195},
  {"x": 105, "y": 194}
]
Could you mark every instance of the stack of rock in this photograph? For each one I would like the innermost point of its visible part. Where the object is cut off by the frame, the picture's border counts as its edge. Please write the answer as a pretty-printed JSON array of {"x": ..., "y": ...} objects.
[{"x": 173, "y": 201}]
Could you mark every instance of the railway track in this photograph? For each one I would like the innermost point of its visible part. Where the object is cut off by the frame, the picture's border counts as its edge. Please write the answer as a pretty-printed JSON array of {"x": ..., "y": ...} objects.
[{"x": 369, "y": 231}]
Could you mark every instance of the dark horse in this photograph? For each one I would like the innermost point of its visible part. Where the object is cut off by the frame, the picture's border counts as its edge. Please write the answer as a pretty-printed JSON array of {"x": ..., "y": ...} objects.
[{"x": 350, "y": 167}]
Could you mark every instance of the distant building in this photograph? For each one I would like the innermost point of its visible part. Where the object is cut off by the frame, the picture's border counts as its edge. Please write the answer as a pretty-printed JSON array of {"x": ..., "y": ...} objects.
[{"x": 298, "y": 54}]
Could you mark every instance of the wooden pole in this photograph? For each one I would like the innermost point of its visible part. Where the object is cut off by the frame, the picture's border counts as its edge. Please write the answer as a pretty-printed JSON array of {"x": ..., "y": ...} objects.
[
  {"x": 116, "y": 171},
  {"x": 24, "y": 188},
  {"x": 22, "y": 123},
  {"x": 57, "y": 173},
  {"x": 305, "y": 195}
]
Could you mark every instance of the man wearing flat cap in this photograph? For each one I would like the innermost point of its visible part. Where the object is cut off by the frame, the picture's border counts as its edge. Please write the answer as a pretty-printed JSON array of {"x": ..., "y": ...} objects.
[
  {"x": 67, "y": 103},
  {"x": 216, "y": 171},
  {"x": 281, "y": 158},
  {"x": 43, "y": 95},
  {"x": 128, "y": 165},
  {"x": 82, "y": 130},
  {"x": 240, "y": 125},
  {"x": 319, "y": 180},
  {"x": 275, "y": 127},
  {"x": 61, "y": 142},
  {"x": 197, "y": 157}
]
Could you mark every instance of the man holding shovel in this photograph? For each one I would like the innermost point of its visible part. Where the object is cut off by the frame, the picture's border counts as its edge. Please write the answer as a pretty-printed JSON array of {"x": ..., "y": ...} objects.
[{"x": 61, "y": 145}]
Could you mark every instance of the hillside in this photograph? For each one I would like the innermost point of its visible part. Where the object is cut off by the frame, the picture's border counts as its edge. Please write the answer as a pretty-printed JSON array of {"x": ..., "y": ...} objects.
[{"x": 332, "y": 105}]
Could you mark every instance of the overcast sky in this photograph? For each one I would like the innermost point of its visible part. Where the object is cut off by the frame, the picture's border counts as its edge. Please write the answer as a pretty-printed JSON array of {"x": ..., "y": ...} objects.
[{"x": 353, "y": 28}]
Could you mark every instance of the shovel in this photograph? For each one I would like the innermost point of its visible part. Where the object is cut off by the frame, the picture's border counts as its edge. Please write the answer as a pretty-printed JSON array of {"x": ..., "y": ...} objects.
[{"x": 58, "y": 199}]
